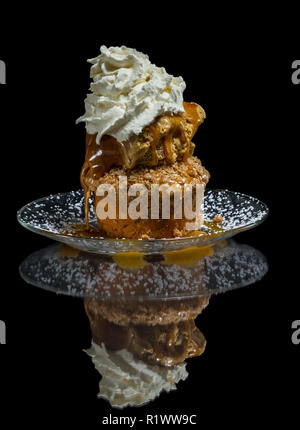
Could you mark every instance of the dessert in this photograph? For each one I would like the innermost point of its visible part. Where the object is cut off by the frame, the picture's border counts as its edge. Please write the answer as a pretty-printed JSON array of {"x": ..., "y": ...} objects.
[
  {"x": 138, "y": 126},
  {"x": 140, "y": 347},
  {"x": 139, "y": 133}
]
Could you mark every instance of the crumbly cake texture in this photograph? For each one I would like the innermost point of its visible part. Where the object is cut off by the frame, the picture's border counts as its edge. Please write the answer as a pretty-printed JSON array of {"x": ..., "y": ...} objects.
[
  {"x": 189, "y": 172},
  {"x": 146, "y": 312},
  {"x": 180, "y": 172}
]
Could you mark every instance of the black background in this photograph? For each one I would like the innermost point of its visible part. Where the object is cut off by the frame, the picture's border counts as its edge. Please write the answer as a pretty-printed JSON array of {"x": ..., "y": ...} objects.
[{"x": 240, "y": 72}]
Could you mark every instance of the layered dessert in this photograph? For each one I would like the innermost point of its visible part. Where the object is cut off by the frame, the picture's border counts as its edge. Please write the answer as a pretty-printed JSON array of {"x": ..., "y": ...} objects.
[
  {"x": 139, "y": 127},
  {"x": 140, "y": 347}
]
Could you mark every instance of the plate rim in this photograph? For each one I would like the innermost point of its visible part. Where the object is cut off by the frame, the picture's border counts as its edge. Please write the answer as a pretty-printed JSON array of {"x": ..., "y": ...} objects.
[{"x": 233, "y": 231}]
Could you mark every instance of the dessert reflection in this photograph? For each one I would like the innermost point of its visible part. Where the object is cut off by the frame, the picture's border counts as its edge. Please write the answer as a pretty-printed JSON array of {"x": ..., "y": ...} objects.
[
  {"x": 142, "y": 308},
  {"x": 140, "y": 347}
]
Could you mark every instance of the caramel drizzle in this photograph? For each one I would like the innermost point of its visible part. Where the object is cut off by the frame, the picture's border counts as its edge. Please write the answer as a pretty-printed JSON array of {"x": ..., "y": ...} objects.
[
  {"x": 191, "y": 346},
  {"x": 175, "y": 127},
  {"x": 87, "y": 195},
  {"x": 172, "y": 343},
  {"x": 99, "y": 158},
  {"x": 154, "y": 130}
]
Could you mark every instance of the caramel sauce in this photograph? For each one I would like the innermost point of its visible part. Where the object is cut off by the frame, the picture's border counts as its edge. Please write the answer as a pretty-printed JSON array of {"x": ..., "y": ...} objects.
[
  {"x": 82, "y": 230},
  {"x": 164, "y": 345},
  {"x": 154, "y": 131},
  {"x": 66, "y": 251},
  {"x": 99, "y": 158},
  {"x": 130, "y": 260},
  {"x": 187, "y": 257},
  {"x": 170, "y": 340},
  {"x": 212, "y": 230},
  {"x": 168, "y": 147},
  {"x": 174, "y": 350},
  {"x": 180, "y": 341}
]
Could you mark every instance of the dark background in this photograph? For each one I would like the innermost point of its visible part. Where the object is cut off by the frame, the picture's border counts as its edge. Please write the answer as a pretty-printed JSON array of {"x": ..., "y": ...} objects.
[{"x": 241, "y": 74}]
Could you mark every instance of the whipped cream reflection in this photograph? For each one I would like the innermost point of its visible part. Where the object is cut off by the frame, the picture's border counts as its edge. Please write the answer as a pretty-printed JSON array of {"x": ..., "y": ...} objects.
[
  {"x": 128, "y": 93},
  {"x": 140, "y": 348},
  {"x": 127, "y": 381}
]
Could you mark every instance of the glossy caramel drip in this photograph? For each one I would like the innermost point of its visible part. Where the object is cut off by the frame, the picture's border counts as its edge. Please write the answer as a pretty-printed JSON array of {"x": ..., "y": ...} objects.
[
  {"x": 154, "y": 131},
  {"x": 99, "y": 158},
  {"x": 174, "y": 343},
  {"x": 189, "y": 348},
  {"x": 192, "y": 113},
  {"x": 175, "y": 128}
]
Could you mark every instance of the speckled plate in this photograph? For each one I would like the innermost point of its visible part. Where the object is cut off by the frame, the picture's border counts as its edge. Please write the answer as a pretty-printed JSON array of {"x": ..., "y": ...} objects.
[
  {"x": 180, "y": 274},
  {"x": 51, "y": 216}
]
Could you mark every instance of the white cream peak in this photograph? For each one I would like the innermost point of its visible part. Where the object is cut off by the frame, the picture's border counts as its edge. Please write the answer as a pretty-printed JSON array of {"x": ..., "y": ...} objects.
[
  {"x": 128, "y": 93},
  {"x": 127, "y": 381}
]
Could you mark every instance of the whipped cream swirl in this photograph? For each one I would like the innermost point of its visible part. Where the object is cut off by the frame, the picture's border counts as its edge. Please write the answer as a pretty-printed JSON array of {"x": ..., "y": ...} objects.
[
  {"x": 128, "y": 93},
  {"x": 127, "y": 381}
]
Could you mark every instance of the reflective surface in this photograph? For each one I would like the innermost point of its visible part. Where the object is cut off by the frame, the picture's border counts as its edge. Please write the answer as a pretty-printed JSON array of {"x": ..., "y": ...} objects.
[
  {"x": 53, "y": 215},
  {"x": 142, "y": 308},
  {"x": 175, "y": 274}
]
